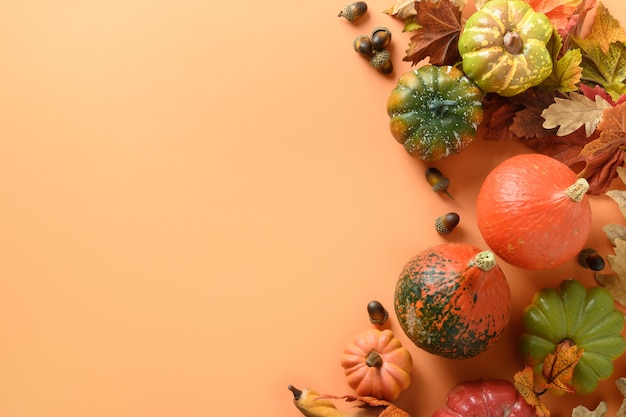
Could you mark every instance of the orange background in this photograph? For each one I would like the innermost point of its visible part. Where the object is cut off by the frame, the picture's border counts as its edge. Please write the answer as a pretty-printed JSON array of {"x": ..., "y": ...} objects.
[{"x": 200, "y": 198}]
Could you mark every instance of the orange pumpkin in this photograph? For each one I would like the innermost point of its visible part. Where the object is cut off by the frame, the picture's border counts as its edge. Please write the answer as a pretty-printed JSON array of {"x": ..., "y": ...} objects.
[
  {"x": 377, "y": 365},
  {"x": 533, "y": 212}
]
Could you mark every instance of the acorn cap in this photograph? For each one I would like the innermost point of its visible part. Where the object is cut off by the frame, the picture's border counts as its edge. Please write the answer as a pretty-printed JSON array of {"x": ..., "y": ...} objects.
[{"x": 380, "y": 58}]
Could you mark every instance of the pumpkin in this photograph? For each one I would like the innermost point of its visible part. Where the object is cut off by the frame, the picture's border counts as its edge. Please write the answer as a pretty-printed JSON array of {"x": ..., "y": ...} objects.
[
  {"x": 585, "y": 316},
  {"x": 485, "y": 397},
  {"x": 503, "y": 47},
  {"x": 377, "y": 365},
  {"x": 434, "y": 111},
  {"x": 533, "y": 212},
  {"x": 452, "y": 300}
]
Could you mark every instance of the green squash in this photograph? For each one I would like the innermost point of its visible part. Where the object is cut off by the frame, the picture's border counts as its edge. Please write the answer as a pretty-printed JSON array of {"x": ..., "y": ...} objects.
[
  {"x": 503, "y": 47},
  {"x": 434, "y": 111},
  {"x": 587, "y": 317}
]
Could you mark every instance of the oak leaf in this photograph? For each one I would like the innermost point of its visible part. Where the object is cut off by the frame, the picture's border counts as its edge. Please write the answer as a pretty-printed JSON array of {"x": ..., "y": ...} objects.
[
  {"x": 574, "y": 112},
  {"x": 524, "y": 382},
  {"x": 558, "y": 366},
  {"x": 582, "y": 411},
  {"x": 439, "y": 27},
  {"x": 381, "y": 408}
]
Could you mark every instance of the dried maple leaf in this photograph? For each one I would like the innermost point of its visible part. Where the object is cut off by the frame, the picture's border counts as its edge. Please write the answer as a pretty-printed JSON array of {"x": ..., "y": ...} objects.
[
  {"x": 498, "y": 114},
  {"x": 438, "y": 33},
  {"x": 524, "y": 382},
  {"x": 558, "y": 367},
  {"x": 582, "y": 411},
  {"x": 572, "y": 113},
  {"x": 527, "y": 122}
]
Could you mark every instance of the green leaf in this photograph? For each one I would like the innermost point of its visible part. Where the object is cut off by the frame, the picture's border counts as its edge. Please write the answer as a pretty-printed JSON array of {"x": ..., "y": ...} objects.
[
  {"x": 605, "y": 69},
  {"x": 566, "y": 73}
]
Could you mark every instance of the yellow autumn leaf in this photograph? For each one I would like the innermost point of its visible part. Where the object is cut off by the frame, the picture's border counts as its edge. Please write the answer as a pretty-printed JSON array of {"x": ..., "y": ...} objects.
[
  {"x": 605, "y": 29},
  {"x": 558, "y": 366},
  {"x": 524, "y": 382}
]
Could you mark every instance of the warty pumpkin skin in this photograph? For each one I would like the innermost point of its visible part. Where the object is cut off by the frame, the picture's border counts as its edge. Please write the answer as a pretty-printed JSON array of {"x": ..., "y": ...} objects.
[
  {"x": 485, "y": 397},
  {"x": 452, "y": 300},
  {"x": 434, "y": 111},
  {"x": 377, "y": 365},
  {"x": 503, "y": 47},
  {"x": 533, "y": 212}
]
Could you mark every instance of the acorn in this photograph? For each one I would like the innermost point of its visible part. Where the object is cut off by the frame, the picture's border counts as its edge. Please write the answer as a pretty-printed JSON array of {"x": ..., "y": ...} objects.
[
  {"x": 381, "y": 38},
  {"x": 363, "y": 45},
  {"x": 438, "y": 181},
  {"x": 446, "y": 223},
  {"x": 353, "y": 11},
  {"x": 590, "y": 258},
  {"x": 377, "y": 313},
  {"x": 381, "y": 60}
]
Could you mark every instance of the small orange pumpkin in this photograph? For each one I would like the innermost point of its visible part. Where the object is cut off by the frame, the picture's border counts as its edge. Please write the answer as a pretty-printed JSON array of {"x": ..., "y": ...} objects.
[{"x": 377, "y": 365}]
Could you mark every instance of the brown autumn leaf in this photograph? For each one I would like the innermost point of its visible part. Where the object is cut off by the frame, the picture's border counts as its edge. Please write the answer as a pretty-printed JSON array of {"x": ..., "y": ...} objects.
[
  {"x": 524, "y": 382},
  {"x": 558, "y": 367},
  {"x": 582, "y": 411},
  {"x": 438, "y": 33},
  {"x": 384, "y": 408},
  {"x": 498, "y": 114}
]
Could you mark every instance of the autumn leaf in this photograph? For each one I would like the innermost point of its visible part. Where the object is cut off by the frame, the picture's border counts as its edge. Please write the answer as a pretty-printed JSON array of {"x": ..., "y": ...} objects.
[
  {"x": 582, "y": 411},
  {"x": 437, "y": 36},
  {"x": 402, "y": 9},
  {"x": 607, "y": 69},
  {"x": 570, "y": 114},
  {"x": 558, "y": 366},
  {"x": 605, "y": 29},
  {"x": 527, "y": 122},
  {"x": 560, "y": 12},
  {"x": 386, "y": 408},
  {"x": 524, "y": 382}
]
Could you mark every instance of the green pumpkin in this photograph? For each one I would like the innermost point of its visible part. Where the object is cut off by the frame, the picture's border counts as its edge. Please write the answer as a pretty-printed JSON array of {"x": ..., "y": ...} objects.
[
  {"x": 503, "y": 47},
  {"x": 587, "y": 317},
  {"x": 434, "y": 111}
]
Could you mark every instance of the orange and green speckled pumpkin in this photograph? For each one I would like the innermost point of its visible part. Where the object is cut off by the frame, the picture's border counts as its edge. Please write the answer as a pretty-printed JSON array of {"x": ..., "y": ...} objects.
[
  {"x": 434, "y": 111},
  {"x": 453, "y": 300}
]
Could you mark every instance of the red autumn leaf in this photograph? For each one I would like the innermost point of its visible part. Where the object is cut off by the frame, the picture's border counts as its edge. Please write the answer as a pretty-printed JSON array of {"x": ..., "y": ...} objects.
[{"x": 438, "y": 33}]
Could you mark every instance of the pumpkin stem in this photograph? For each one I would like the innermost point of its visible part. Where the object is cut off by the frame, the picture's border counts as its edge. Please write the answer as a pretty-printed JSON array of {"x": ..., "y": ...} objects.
[
  {"x": 440, "y": 107},
  {"x": 512, "y": 42},
  {"x": 577, "y": 190},
  {"x": 374, "y": 360},
  {"x": 484, "y": 260}
]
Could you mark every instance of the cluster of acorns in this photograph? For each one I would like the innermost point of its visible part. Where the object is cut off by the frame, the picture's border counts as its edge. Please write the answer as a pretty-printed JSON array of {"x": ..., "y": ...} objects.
[{"x": 374, "y": 48}]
